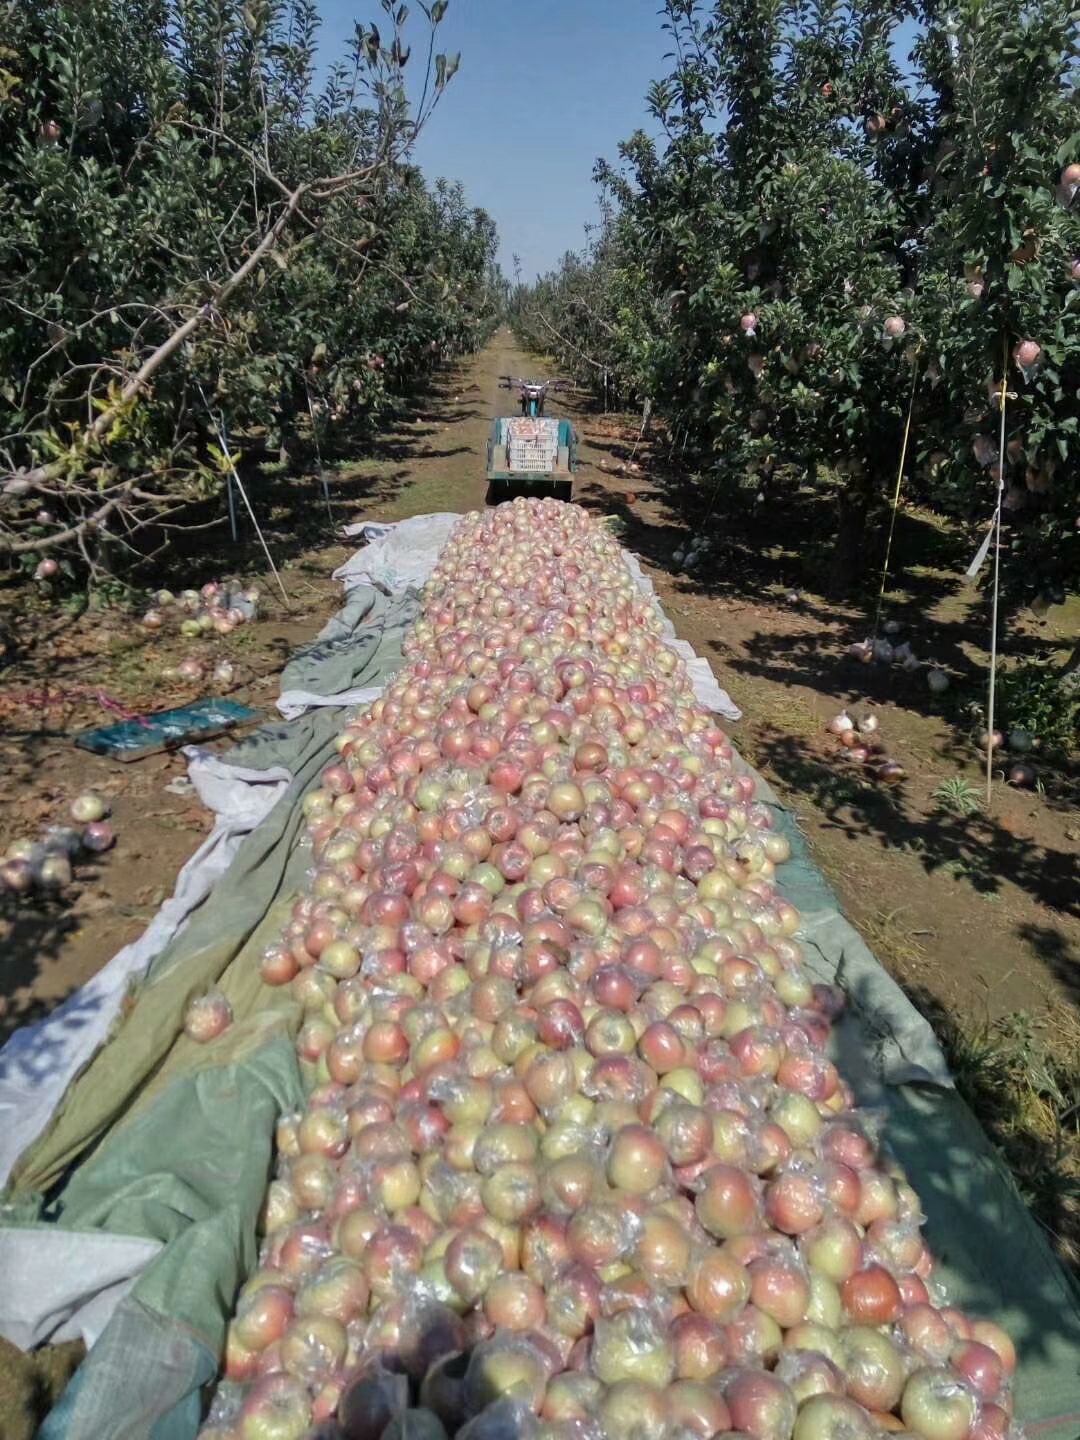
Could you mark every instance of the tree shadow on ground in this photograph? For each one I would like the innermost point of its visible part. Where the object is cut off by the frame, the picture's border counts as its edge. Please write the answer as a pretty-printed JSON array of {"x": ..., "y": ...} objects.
[
  {"x": 974, "y": 848},
  {"x": 40, "y": 1052},
  {"x": 815, "y": 658},
  {"x": 36, "y": 928},
  {"x": 776, "y": 559},
  {"x": 35, "y": 923}
]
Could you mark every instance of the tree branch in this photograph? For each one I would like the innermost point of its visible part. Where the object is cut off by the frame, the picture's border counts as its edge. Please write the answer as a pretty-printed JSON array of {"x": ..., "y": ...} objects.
[
  {"x": 42, "y": 474},
  {"x": 569, "y": 343}
]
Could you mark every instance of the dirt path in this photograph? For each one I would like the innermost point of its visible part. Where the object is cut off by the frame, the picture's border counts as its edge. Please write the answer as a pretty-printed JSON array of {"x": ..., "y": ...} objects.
[
  {"x": 979, "y": 916},
  {"x": 438, "y": 462}
]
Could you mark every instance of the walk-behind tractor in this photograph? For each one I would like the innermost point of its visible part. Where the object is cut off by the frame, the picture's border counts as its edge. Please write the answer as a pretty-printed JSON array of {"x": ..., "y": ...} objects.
[{"x": 532, "y": 449}]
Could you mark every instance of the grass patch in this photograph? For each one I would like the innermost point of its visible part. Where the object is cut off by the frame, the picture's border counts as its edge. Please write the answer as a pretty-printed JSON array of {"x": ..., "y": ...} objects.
[
  {"x": 958, "y": 796},
  {"x": 1034, "y": 699},
  {"x": 785, "y": 710},
  {"x": 1022, "y": 1080},
  {"x": 1020, "y": 1075},
  {"x": 893, "y": 941}
]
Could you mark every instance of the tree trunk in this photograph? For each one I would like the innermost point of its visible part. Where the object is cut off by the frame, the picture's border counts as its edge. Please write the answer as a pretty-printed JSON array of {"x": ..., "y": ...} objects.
[
  {"x": 289, "y": 445},
  {"x": 849, "y": 548}
]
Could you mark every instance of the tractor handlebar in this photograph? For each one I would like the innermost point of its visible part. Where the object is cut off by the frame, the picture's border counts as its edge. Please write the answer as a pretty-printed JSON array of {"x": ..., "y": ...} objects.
[{"x": 507, "y": 382}]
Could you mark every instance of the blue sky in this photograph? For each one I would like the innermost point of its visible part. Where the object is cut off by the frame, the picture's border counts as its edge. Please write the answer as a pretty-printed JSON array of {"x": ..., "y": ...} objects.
[{"x": 544, "y": 90}]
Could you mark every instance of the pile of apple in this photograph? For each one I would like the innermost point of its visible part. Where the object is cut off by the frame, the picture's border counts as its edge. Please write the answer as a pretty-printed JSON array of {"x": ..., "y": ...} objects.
[
  {"x": 47, "y": 863},
  {"x": 575, "y": 1163},
  {"x": 218, "y": 609}
]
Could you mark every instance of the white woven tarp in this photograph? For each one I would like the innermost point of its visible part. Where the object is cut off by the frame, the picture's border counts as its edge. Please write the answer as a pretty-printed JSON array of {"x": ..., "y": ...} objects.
[
  {"x": 65, "y": 1284},
  {"x": 398, "y": 555}
]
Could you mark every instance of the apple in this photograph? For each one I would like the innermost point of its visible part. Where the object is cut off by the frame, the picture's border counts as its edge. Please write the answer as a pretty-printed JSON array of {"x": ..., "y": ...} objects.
[
  {"x": 938, "y": 1405},
  {"x": 277, "y": 1408}
]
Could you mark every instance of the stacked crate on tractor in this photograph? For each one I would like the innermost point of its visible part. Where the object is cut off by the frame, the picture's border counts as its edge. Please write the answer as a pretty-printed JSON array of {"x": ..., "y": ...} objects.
[
  {"x": 532, "y": 449},
  {"x": 532, "y": 445}
]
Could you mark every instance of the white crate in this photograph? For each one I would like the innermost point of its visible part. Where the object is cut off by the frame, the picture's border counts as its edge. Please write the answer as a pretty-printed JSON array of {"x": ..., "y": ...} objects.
[
  {"x": 532, "y": 445},
  {"x": 532, "y": 455}
]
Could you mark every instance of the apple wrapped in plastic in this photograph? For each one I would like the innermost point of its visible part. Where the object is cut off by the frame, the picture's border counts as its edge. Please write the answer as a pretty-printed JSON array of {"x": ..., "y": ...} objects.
[
  {"x": 207, "y": 1016},
  {"x": 574, "y": 1161}
]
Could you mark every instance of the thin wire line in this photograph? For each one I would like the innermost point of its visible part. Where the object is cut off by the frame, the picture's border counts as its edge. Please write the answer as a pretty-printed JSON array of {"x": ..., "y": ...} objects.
[
  {"x": 318, "y": 452},
  {"x": 243, "y": 494}
]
